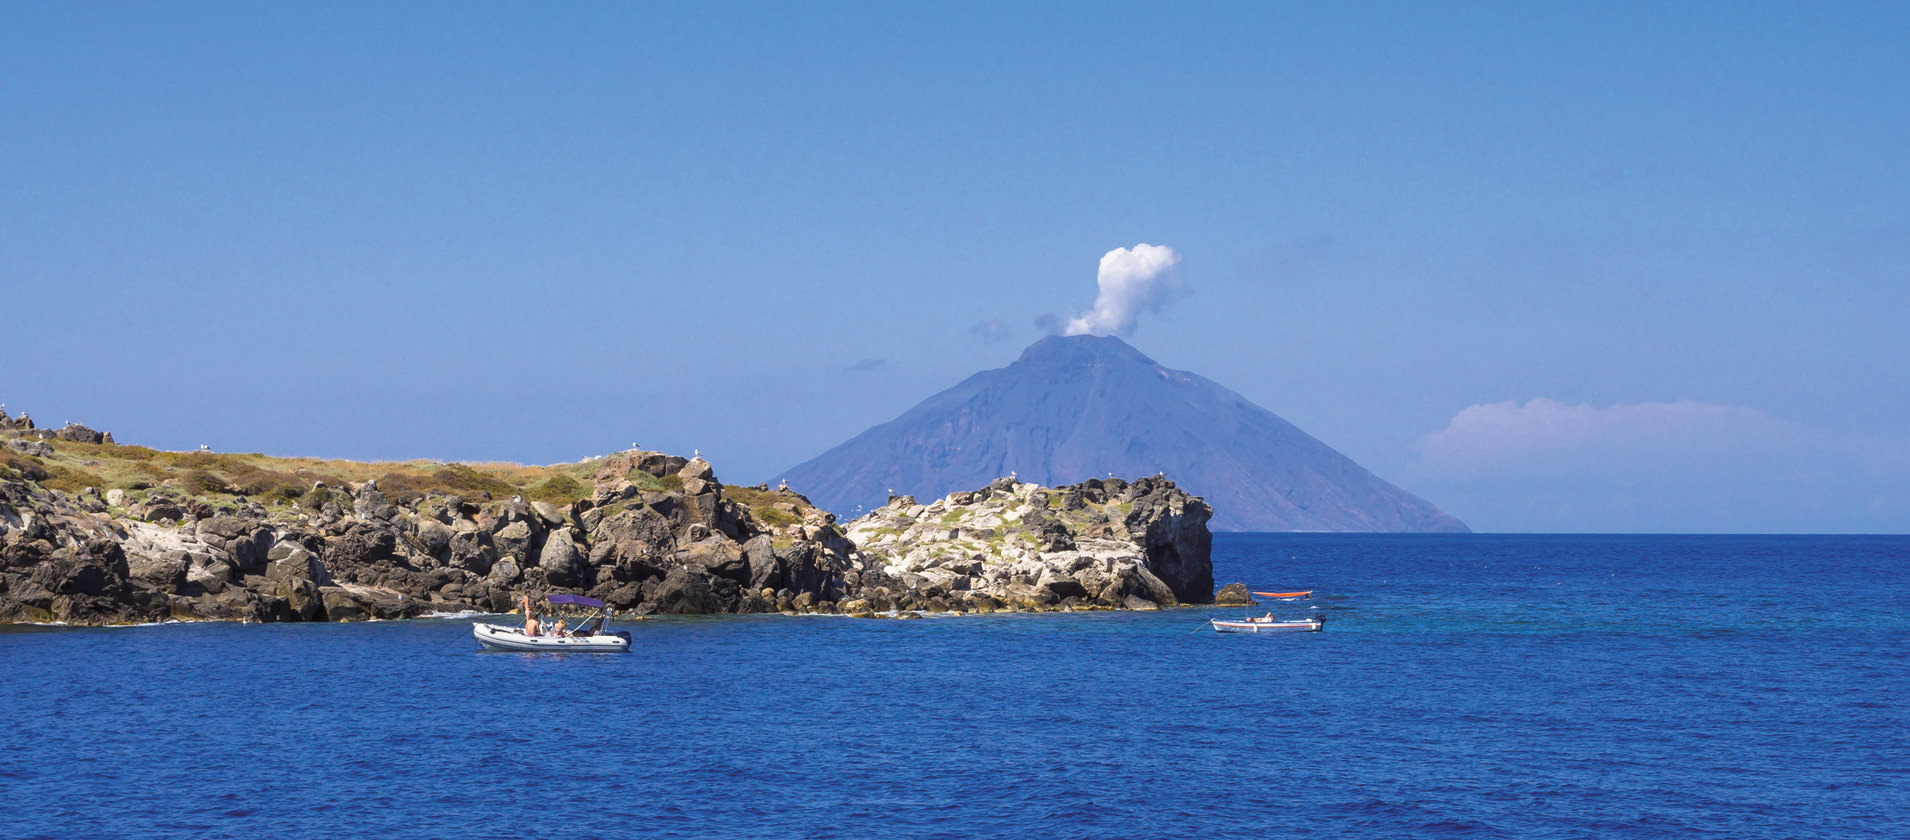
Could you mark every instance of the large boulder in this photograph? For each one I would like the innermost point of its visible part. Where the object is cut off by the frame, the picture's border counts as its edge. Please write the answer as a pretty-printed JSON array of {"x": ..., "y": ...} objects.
[
  {"x": 94, "y": 568},
  {"x": 1061, "y": 586},
  {"x": 514, "y": 541},
  {"x": 469, "y": 551},
  {"x": 806, "y": 568},
  {"x": 166, "y": 572},
  {"x": 79, "y": 434},
  {"x": 634, "y": 541},
  {"x": 209, "y": 574},
  {"x": 363, "y": 544},
  {"x": 243, "y": 541},
  {"x": 563, "y": 562},
  {"x": 505, "y": 574},
  {"x": 659, "y": 464},
  {"x": 434, "y": 535},
  {"x": 341, "y": 605},
  {"x": 765, "y": 570},
  {"x": 287, "y": 559},
  {"x": 301, "y": 597},
  {"x": 685, "y": 591},
  {"x": 696, "y": 469},
  {"x": 719, "y": 556},
  {"x": 352, "y": 602},
  {"x": 551, "y": 516}
]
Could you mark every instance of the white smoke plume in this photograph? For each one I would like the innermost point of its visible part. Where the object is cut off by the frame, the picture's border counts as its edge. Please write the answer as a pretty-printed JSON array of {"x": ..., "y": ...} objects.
[{"x": 1132, "y": 281}]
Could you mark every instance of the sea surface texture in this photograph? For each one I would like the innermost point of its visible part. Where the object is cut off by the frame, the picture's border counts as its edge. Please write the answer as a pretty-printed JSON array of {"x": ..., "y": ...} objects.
[{"x": 1465, "y": 686}]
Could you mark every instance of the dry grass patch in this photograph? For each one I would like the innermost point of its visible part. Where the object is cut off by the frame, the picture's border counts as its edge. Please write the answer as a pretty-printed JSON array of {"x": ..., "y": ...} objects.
[
  {"x": 277, "y": 480},
  {"x": 762, "y": 505}
]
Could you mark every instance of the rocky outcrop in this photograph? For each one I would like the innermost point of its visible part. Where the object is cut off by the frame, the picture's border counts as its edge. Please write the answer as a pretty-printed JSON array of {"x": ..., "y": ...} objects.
[
  {"x": 656, "y": 534},
  {"x": 1233, "y": 595},
  {"x": 1100, "y": 543},
  {"x": 22, "y": 423},
  {"x": 648, "y": 533}
]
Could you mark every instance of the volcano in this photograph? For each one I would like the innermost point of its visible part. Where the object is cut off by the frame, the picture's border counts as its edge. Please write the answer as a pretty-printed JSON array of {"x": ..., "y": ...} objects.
[{"x": 1079, "y": 407}]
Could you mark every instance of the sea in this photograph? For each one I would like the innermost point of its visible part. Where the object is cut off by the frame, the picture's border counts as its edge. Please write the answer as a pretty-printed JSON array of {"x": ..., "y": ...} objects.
[{"x": 1557, "y": 686}]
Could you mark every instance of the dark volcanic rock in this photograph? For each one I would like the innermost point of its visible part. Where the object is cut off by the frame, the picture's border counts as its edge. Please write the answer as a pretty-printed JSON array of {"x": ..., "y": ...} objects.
[
  {"x": 1172, "y": 527},
  {"x": 685, "y": 591},
  {"x": 79, "y": 434},
  {"x": 1076, "y": 407}
]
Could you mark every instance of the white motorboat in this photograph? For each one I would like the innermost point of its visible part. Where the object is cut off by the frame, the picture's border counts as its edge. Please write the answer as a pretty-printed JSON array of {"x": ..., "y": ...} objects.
[
  {"x": 1268, "y": 625},
  {"x": 589, "y": 637}
]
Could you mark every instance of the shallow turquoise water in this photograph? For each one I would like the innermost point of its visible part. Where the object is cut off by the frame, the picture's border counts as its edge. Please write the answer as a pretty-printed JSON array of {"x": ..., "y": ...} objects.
[{"x": 1468, "y": 686}]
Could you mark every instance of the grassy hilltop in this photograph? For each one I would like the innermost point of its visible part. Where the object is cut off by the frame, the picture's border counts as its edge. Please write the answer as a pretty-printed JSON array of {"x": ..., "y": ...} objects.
[{"x": 287, "y": 484}]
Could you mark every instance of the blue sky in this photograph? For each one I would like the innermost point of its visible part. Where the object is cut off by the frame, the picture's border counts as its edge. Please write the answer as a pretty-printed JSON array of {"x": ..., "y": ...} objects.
[{"x": 1617, "y": 267}]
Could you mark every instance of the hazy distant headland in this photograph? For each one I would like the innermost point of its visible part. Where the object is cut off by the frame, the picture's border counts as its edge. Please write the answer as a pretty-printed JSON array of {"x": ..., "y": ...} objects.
[{"x": 94, "y": 532}]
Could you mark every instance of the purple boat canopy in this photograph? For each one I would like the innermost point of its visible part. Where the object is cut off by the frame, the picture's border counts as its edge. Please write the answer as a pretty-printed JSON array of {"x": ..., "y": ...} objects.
[{"x": 579, "y": 600}]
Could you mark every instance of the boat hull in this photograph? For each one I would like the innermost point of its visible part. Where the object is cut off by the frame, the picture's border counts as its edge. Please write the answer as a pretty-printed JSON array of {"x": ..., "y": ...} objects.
[
  {"x": 494, "y": 637},
  {"x": 1311, "y": 625}
]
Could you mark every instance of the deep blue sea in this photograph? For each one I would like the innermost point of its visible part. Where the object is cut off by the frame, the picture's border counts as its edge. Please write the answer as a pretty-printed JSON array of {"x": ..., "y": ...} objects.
[{"x": 1465, "y": 686}]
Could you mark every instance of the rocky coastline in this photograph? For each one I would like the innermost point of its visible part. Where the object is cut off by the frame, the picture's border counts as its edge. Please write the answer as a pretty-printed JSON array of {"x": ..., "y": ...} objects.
[{"x": 93, "y": 532}]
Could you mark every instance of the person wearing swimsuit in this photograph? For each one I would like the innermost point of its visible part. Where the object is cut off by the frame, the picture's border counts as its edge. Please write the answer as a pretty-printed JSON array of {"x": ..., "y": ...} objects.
[{"x": 530, "y": 618}]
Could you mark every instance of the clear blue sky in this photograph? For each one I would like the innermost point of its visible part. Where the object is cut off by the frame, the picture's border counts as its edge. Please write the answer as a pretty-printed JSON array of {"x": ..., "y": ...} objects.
[{"x": 1609, "y": 267}]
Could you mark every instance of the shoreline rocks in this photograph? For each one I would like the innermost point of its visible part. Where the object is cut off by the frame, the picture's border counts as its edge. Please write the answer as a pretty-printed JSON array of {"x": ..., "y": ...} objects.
[
  {"x": 649, "y": 534},
  {"x": 1099, "y": 544}
]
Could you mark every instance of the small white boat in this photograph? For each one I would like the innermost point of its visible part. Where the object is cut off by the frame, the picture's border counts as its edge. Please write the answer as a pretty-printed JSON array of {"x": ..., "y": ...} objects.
[
  {"x": 1268, "y": 625},
  {"x": 589, "y": 637}
]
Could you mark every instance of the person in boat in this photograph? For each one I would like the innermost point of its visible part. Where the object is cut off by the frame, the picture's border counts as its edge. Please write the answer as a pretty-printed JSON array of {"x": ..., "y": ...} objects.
[
  {"x": 559, "y": 629},
  {"x": 530, "y": 618}
]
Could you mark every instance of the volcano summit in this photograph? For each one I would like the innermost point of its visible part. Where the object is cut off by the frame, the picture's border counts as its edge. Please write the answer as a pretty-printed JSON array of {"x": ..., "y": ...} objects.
[{"x": 1078, "y": 407}]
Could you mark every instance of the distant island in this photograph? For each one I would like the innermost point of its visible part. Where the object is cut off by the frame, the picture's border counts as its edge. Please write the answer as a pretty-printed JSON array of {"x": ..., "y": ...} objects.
[
  {"x": 95, "y": 532},
  {"x": 1082, "y": 406}
]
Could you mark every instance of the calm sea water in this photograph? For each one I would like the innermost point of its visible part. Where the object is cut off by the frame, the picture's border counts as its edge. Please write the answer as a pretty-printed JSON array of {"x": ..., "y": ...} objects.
[{"x": 1466, "y": 686}]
